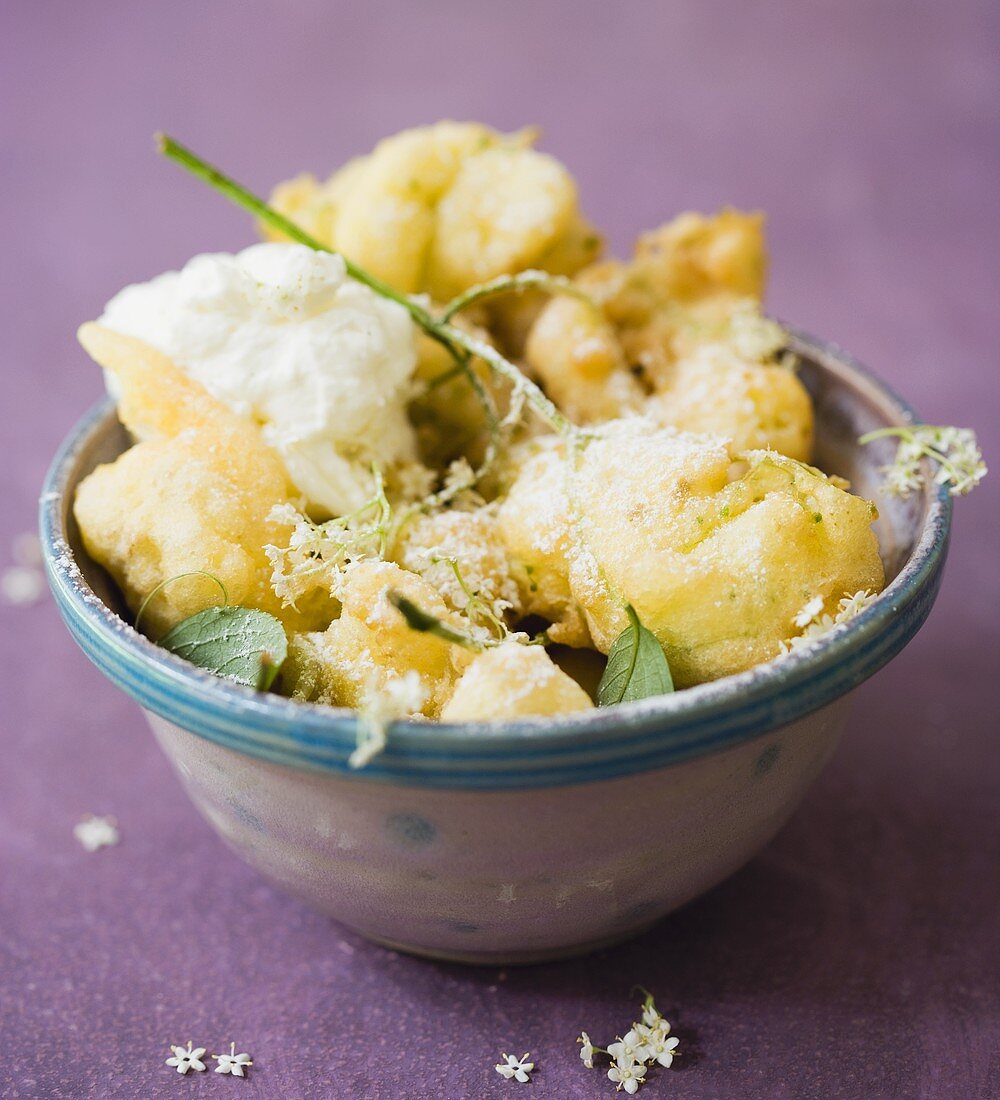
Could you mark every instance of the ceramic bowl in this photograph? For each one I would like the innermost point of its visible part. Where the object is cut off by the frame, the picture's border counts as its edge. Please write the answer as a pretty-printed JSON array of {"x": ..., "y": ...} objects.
[{"x": 516, "y": 842}]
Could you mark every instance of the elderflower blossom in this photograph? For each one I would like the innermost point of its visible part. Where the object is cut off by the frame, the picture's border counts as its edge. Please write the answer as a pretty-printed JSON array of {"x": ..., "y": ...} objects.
[
  {"x": 457, "y": 478},
  {"x": 318, "y": 553},
  {"x": 628, "y": 1074},
  {"x": 655, "y": 1030},
  {"x": 414, "y": 480},
  {"x": 658, "y": 1044},
  {"x": 647, "y": 1043},
  {"x": 630, "y": 1046},
  {"x": 385, "y": 702},
  {"x": 809, "y": 612},
  {"x": 233, "y": 1063},
  {"x": 460, "y": 554},
  {"x": 183, "y": 1060},
  {"x": 518, "y": 1068},
  {"x": 814, "y": 623},
  {"x": 955, "y": 451},
  {"x": 586, "y": 1050}
]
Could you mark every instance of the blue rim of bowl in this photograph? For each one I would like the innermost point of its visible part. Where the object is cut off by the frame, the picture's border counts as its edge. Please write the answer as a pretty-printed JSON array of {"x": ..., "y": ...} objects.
[{"x": 596, "y": 745}]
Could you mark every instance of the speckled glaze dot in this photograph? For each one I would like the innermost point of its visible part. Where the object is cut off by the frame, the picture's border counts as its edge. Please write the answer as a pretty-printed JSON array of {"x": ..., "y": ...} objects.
[
  {"x": 767, "y": 759},
  {"x": 411, "y": 830},
  {"x": 247, "y": 817},
  {"x": 645, "y": 910},
  {"x": 461, "y": 926}
]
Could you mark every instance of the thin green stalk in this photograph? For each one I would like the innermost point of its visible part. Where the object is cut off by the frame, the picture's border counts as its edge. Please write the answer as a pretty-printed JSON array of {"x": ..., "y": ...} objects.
[
  {"x": 928, "y": 450},
  {"x": 883, "y": 433},
  {"x": 523, "y": 280},
  {"x": 241, "y": 196},
  {"x": 177, "y": 577},
  {"x": 422, "y": 621},
  {"x": 499, "y": 365},
  {"x": 451, "y": 337}
]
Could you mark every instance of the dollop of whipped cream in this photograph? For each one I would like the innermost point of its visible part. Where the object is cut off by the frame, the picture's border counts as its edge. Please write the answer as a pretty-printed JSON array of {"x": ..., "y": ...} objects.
[{"x": 283, "y": 336}]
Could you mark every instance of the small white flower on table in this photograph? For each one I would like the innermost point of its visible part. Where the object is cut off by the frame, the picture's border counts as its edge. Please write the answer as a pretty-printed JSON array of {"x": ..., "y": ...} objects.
[
  {"x": 96, "y": 832},
  {"x": 232, "y": 1062},
  {"x": 518, "y": 1068},
  {"x": 627, "y": 1073},
  {"x": 658, "y": 1045},
  {"x": 191, "y": 1058},
  {"x": 631, "y": 1047},
  {"x": 586, "y": 1050}
]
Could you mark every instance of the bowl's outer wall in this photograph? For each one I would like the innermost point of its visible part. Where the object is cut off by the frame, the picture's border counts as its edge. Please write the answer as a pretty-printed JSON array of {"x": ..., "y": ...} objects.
[{"x": 504, "y": 876}]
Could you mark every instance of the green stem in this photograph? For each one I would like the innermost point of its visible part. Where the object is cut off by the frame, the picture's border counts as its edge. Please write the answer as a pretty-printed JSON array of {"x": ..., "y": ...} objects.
[
  {"x": 908, "y": 435},
  {"x": 266, "y": 675},
  {"x": 499, "y": 365},
  {"x": 242, "y": 196},
  {"x": 422, "y": 621},
  {"x": 482, "y": 393},
  {"x": 169, "y": 580},
  {"x": 450, "y": 337},
  {"x": 523, "y": 280},
  {"x": 883, "y": 433},
  {"x": 942, "y": 460}
]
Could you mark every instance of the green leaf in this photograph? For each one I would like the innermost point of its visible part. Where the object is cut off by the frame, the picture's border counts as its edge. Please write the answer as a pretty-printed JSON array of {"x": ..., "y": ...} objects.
[
  {"x": 637, "y": 667},
  {"x": 238, "y": 643}
]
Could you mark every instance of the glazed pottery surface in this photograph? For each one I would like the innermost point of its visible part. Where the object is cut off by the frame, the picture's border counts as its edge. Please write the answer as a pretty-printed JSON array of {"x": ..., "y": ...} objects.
[
  {"x": 508, "y": 876},
  {"x": 522, "y": 841}
]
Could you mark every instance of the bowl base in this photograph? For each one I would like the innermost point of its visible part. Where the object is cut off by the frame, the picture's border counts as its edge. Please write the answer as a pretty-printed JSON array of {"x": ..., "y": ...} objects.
[{"x": 512, "y": 957}]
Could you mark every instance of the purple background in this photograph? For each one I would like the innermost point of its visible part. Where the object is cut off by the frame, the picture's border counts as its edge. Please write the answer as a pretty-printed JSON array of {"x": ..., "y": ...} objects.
[{"x": 854, "y": 957}]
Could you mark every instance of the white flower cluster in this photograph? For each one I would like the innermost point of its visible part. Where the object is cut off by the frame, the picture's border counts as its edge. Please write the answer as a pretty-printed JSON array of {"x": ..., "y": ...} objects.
[
  {"x": 191, "y": 1059},
  {"x": 458, "y": 478},
  {"x": 647, "y": 1043},
  {"x": 484, "y": 610},
  {"x": 954, "y": 450},
  {"x": 318, "y": 553},
  {"x": 814, "y": 622}
]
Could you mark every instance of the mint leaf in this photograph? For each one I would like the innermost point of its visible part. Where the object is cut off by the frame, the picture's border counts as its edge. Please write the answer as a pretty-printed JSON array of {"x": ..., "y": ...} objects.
[
  {"x": 637, "y": 667},
  {"x": 238, "y": 643}
]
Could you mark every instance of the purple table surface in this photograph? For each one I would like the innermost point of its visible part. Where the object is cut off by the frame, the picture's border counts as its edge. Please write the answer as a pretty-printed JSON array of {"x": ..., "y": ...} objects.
[{"x": 856, "y": 956}]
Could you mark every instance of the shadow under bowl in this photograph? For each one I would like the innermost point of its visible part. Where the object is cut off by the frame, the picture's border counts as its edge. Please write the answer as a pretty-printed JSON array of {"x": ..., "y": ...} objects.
[{"x": 517, "y": 842}]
